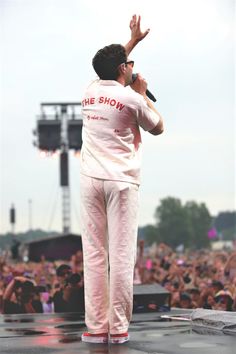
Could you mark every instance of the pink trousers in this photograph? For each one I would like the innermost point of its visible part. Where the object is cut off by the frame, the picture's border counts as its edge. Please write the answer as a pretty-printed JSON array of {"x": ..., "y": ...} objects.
[{"x": 109, "y": 222}]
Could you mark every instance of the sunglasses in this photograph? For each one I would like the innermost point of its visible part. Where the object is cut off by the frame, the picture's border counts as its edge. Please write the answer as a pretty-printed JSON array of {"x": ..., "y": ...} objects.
[{"x": 131, "y": 62}]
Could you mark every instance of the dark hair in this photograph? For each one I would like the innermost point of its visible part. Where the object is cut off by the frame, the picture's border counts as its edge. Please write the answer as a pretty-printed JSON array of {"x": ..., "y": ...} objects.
[
  {"x": 187, "y": 279},
  {"x": 107, "y": 60},
  {"x": 185, "y": 296},
  {"x": 74, "y": 279},
  {"x": 26, "y": 286},
  {"x": 217, "y": 284},
  {"x": 194, "y": 291},
  {"x": 62, "y": 269},
  {"x": 226, "y": 299}
]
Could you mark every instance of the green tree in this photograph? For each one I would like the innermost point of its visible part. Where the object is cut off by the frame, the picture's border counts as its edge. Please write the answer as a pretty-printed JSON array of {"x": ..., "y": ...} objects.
[
  {"x": 225, "y": 223},
  {"x": 150, "y": 234},
  {"x": 225, "y": 220},
  {"x": 173, "y": 223},
  {"x": 200, "y": 220},
  {"x": 183, "y": 224}
]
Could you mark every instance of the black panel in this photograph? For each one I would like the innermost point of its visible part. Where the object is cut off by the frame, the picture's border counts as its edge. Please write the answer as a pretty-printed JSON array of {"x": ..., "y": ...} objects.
[
  {"x": 75, "y": 134},
  {"x": 49, "y": 134},
  {"x": 64, "y": 171}
]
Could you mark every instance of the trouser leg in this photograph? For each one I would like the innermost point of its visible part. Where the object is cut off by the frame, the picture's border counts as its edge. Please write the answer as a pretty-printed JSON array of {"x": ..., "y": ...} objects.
[
  {"x": 122, "y": 218},
  {"x": 95, "y": 251}
]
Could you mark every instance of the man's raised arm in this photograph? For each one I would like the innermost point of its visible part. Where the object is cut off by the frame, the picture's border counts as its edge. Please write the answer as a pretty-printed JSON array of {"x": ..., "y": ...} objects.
[{"x": 136, "y": 34}]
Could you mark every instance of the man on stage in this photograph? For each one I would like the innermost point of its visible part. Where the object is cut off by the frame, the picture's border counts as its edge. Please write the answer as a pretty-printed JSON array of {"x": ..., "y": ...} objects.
[{"x": 113, "y": 109}]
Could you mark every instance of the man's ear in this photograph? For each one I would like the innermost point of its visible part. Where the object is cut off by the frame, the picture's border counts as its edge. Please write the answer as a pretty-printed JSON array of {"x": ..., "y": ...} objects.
[{"x": 122, "y": 68}]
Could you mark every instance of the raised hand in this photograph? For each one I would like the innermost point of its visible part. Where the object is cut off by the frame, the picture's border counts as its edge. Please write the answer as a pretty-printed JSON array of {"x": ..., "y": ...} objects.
[{"x": 136, "y": 33}]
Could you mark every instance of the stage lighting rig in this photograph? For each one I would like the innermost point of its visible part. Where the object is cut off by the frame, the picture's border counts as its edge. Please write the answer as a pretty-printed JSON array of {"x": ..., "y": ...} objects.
[{"x": 59, "y": 127}]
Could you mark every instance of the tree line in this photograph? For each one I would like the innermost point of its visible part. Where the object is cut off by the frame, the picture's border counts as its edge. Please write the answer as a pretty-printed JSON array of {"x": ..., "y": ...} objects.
[{"x": 188, "y": 224}]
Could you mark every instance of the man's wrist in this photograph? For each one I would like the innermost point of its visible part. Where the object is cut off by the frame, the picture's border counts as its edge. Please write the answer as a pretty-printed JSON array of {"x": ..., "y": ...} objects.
[
  {"x": 134, "y": 40},
  {"x": 130, "y": 45}
]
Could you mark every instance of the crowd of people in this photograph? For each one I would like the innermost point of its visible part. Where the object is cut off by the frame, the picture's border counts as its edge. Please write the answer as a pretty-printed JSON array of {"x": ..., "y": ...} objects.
[
  {"x": 44, "y": 287},
  {"x": 195, "y": 279}
]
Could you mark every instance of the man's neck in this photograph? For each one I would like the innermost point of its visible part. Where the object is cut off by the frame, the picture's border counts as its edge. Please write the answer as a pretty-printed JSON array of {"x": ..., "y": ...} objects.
[{"x": 121, "y": 80}]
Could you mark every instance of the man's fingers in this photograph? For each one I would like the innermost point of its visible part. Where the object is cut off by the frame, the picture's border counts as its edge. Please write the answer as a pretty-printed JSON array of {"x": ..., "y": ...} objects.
[
  {"x": 146, "y": 32},
  {"x": 135, "y": 26},
  {"x": 133, "y": 21},
  {"x": 138, "y": 22}
]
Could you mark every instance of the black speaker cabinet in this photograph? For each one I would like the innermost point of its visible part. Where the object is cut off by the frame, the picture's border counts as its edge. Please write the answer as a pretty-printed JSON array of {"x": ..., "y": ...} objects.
[{"x": 149, "y": 298}]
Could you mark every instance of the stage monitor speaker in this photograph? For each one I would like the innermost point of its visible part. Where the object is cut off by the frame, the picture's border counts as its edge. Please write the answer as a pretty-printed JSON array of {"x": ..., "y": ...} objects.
[{"x": 150, "y": 298}]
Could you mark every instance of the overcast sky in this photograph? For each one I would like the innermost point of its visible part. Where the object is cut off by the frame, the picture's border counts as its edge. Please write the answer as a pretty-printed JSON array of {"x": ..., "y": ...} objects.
[{"x": 188, "y": 62}]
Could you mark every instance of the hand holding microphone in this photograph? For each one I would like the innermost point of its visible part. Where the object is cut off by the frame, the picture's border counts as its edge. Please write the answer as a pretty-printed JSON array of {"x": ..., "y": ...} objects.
[{"x": 140, "y": 85}]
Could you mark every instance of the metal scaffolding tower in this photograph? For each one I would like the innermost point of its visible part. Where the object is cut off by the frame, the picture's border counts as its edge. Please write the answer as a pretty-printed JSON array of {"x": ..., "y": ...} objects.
[{"x": 61, "y": 131}]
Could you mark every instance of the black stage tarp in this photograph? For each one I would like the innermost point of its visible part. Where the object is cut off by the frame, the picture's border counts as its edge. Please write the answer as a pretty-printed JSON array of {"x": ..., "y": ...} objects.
[{"x": 150, "y": 334}]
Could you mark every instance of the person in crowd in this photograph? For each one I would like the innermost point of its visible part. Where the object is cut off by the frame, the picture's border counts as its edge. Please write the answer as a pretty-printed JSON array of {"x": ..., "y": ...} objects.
[
  {"x": 21, "y": 296},
  {"x": 195, "y": 296},
  {"x": 140, "y": 261},
  {"x": 216, "y": 286},
  {"x": 185, "y": 301},
  {"x": 69, "y": 296},
  {"x": 47, "y": 301},
  {"x": 76, "y": 262},
  {"x": 230, "y": 267},
  {"x": 223, "y": 301}
]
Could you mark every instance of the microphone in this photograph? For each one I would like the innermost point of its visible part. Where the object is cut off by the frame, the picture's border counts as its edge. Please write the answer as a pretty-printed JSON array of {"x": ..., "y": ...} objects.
[{"x": 148, "y": 93}]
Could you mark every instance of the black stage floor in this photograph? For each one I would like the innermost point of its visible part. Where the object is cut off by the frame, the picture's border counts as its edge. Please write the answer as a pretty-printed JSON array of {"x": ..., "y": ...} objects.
[{"x": 150, "y": 334}]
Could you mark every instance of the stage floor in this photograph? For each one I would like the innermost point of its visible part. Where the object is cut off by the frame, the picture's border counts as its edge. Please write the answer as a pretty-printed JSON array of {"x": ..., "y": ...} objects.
[{"x": 150, "y": 334}]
